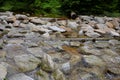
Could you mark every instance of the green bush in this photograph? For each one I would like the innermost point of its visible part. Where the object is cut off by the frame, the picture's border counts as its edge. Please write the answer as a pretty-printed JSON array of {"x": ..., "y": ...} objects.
[{"x": 62, "y": 7}]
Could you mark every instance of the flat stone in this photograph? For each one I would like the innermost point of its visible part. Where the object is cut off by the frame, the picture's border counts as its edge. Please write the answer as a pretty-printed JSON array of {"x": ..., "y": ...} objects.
[
  {"x": 92, "y": 34},
  {"x": 38, "y": 21},
  {"x": 94, "y": 60},
  {"x": 20, "y": 76},
  {"x": 14, "y": 50},
  {"x": 72, "y": 25},
  {"x": 31, "y": 61},
  {"x": 55, "y": 28},
  {"x": 21, "y": 17}
]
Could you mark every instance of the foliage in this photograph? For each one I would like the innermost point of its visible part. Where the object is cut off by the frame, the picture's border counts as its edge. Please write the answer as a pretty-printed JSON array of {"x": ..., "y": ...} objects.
[{"x": 58, "y": 7}]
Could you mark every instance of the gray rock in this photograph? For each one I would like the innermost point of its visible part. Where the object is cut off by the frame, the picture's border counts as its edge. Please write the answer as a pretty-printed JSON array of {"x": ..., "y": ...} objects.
[
  {"x": 38, "y": 21},
  {"x": 86, "y": 28},
  {"x": 92, "y": 34},
  {"x": 76, "y": 44},
  {"x": 11, "y": 69},
  {"x": 113, "y": 63},
  {"x": 72, "y": 25},
  {"x": 21, "y": 17},
  {"x": 100, "y": 20},
  {"x": 55, "y": 28},
  {"x": 114, "y": 42},
  {"x": 94, "y": 60},
  {"x": 3, "y": 72},
  {"x": 66, "y": 67},
  {"x": 113, "y": 33},
  {"x": 14, "y": 50},
  {"x": 37, "y": 52},
  {"x": 26, "y": 62},
  {"x": 20, "y": 76},
  {"x": 7, "y": 13},
  {"x": 101, "y": 44}
]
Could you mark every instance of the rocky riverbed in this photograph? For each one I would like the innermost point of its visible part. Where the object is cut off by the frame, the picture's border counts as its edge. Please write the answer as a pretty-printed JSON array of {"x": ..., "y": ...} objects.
[{"x": 37, "y": 48}]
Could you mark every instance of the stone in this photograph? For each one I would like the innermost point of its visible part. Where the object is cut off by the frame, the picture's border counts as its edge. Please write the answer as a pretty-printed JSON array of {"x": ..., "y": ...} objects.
[
  {"x": 101, "y": 44},
  {"x": 86, "y": 28},
  {"x": 16, "y": 41},
  {"x": 87, "y": 50},
  {"x": 113, "y": 33},
  {"x": 11, "y": 69},
  {"x": 102, "y": 27},
  {"x": 37, "y": 52},
  {"x": 110, "y": 52},
  {"x": 115, "y": 23},
  {"x": 66, "y": 28},
  {"x": 55, "y": 28},
  {"x": 3, "y": 72},
  {"x": 42, "y": 75},
  {"x": 16, "y": 23},
  {"x": 38, "y": 21},
  {"x": 72, "y": 25},
  {"x": 75, "y": 44},
  {"x": 20, "y": 76},
  {"x": 100, "y": 31},
  {"x": 113, "y": 63},
  {"x": 94, "y": 60},
  {"x": 62, "y": 22},
  {"x": 7, "y": 13},
  {"x": 92, "y": 34},
  {"x": 11, "y": 19},
  {"x": 2, "y": 53},
  {"x": 14, "y": 50},
  {"x": 46, "y": 35},
  {"x": 58, "y": 75},
  {"x": 48, "y": 64},
  {"x": 26, "y": 62},
  {"x": 90, "y": 77},
  {"x": 100, "y": 20},
  {"x": 109, "y": 24},
  {"x": 21, "y": 17},
  {"x": 113, "y": 42},
  {"x": 66, "y": 68}
]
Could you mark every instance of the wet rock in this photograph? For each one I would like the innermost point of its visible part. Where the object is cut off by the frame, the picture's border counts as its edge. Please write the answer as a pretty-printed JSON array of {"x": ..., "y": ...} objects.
[
  {"x": 15, "y": 41},
  {"x": 113, "y": 33},
  {"x": 20, "y": 76},
  {"x": 2, "y": 54},
  {"x": 3, "y": 72},
  {"x": 16, "y": 23},
  {"x": 31, "y": 61}
]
